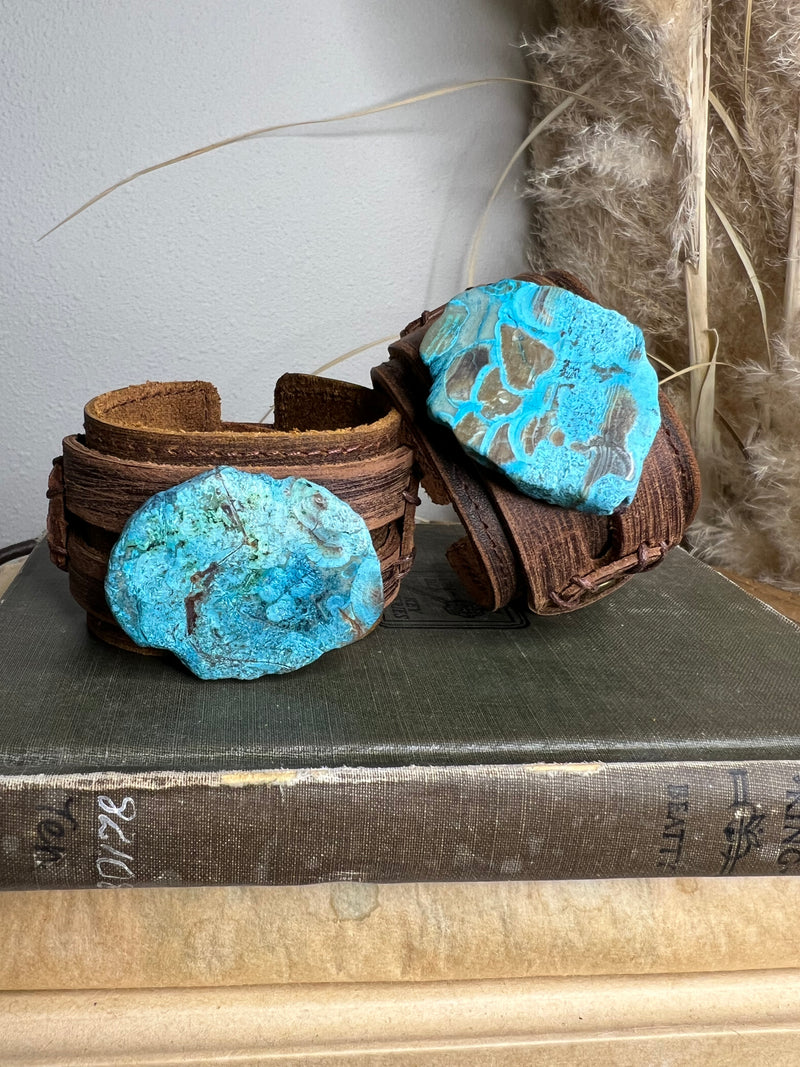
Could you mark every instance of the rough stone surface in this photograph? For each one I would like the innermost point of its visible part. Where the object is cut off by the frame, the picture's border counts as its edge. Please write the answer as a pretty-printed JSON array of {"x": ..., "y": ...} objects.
[
  {"x": 240, "y": 574},
  {"x": 550, "y": 388}
]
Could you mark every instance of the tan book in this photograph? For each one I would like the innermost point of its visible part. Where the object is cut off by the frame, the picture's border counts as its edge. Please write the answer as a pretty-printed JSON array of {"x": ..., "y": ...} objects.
[
  {"x": 425, "y": 932},
  {"x": 717, "y": 1020}
]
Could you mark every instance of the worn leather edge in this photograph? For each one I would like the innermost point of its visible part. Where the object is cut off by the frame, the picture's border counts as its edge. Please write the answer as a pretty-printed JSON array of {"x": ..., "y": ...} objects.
[
  {"x": 104, "y": 490},
  {"x": 484, "y": 560},
  {"x": 125, "y": 423}
]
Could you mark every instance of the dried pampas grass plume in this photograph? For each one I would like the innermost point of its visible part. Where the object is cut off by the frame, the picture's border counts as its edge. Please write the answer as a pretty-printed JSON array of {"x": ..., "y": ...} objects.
[{"x": 679, "y": 202}]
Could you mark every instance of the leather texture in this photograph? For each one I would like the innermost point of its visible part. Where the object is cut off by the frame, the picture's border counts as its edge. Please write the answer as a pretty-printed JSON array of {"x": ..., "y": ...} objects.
[
  {"x": 557, "y": 558},
  {"x": 147, "y": 438}
]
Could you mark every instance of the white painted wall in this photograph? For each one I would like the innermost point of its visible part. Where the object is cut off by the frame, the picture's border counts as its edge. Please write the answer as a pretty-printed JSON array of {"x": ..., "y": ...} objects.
[{"x": 273, "y": 255}]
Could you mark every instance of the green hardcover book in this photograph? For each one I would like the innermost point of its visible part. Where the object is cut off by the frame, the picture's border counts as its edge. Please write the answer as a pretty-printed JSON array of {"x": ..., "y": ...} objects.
[{"x": 654, "y": 733}]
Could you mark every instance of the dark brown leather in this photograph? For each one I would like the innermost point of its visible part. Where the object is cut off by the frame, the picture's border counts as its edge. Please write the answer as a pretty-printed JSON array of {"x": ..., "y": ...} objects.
[
  {"x": 557, "y": 558},
  {"x": 147, "y": 438}
]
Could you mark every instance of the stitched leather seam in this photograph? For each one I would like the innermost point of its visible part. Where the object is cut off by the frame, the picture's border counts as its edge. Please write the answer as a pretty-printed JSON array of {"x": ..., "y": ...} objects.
[
  {"x": 118, "y": 404},
  {"x": 474, "y": 503},
  {"x": 192, "y": 453}
]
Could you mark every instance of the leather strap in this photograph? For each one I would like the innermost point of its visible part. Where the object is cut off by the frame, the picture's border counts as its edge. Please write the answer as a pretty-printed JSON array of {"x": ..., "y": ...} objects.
[
  {"x": 147, "y": 438},
  {"x": 557, "y": 558}
]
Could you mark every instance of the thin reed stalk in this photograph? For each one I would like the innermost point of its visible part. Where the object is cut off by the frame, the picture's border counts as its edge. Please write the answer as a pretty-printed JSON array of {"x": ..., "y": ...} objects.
[
  {"x": 695, "y": 134},
  {"x": 791, "y": 293}
]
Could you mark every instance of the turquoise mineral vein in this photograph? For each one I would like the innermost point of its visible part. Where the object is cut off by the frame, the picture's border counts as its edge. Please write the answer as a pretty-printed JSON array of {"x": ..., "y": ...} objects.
[
  {"x": 241, "y": 574},
  {"x": 551, "y": 389}
]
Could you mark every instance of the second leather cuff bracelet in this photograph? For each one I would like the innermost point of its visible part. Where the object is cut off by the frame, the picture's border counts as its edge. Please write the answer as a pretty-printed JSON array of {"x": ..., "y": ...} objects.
[{"x": 559, "y": 559}]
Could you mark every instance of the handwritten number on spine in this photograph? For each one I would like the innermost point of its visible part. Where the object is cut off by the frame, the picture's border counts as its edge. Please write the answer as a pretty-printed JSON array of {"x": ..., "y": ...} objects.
[
  {"x": 113, "y": 864},
  {"x": 51, "y": 832}
]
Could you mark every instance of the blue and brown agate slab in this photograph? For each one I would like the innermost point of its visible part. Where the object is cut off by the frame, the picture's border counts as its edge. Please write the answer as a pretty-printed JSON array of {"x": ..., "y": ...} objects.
[
  {"x": 241, "y": 575},
  {"x": 551, "y": 389}
]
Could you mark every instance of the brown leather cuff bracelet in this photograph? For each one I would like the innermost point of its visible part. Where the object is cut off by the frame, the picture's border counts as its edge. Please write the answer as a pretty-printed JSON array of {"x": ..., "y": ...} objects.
[
  {"x": 559, "y": 559},
  {"x": 147, "y": 438}
]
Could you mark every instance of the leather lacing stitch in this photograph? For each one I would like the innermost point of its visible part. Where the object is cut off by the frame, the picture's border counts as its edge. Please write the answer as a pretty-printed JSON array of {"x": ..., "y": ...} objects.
[
  {"x": 645, "y": 558},
  {"x": 405, "y": 563},
  {"x": 645, "y": 561},
  {"x": 261, "y": 455}
]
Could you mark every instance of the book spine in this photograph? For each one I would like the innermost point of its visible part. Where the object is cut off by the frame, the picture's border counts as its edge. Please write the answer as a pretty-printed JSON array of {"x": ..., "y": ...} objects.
[{"x": 462, "y": 823}]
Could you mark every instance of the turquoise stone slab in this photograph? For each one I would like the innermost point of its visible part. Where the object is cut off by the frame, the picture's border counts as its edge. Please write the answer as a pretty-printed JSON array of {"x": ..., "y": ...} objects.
[
  {"x": 551, "y": 389},
  {"x": 241, "y": 575}
]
